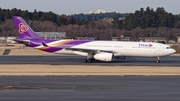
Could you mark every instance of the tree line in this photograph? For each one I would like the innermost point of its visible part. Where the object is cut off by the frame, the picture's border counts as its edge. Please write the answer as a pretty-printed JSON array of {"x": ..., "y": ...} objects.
[
  {"x": 148, "y": 19},
  {"x": 79, "y": 19},
  {"x": 141, "y": 23},
  {"x": 99, "y": 16}
]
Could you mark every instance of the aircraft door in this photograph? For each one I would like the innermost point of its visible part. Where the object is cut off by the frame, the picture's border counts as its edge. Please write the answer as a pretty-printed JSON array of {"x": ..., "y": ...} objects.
[
  {"x": 127, "y": 47},
  {"x": 127, "y": 50},
  {"x": 158, "y": 48}
]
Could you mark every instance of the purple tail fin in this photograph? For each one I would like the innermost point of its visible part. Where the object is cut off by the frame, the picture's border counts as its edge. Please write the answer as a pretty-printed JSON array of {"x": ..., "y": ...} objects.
[{"x": 24, "y": 29}]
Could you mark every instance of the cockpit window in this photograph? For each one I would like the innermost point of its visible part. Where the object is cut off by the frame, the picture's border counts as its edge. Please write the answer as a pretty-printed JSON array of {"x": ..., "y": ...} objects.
[{"x": 168, "y": 48}]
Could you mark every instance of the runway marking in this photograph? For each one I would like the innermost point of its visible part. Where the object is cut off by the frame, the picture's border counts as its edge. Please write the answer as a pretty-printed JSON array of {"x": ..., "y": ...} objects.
[{"x": 6, "y": 52}]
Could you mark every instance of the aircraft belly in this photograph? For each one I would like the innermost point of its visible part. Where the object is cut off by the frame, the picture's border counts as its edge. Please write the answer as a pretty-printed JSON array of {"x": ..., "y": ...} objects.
[{"x": 64, "y": 52}]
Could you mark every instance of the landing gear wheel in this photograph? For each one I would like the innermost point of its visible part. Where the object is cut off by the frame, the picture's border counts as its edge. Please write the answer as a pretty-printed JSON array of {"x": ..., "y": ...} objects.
[
  {"x": 158, "y": 61},
  {"x": 89, "y": 60},
  {"x": 85, "y": 61}
]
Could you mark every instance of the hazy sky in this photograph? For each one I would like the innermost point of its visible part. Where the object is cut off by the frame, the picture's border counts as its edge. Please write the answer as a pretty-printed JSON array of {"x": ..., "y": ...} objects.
[{"x": 85, "y": 6}]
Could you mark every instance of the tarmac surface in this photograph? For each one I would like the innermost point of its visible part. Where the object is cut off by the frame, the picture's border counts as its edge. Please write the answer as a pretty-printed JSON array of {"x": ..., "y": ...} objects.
[
  {"x": 77, "y": 60},
  {"x": 90, "y": 88}
]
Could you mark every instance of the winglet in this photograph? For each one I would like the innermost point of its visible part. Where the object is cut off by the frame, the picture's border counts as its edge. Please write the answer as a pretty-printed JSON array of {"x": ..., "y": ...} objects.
[{"x": 44, "y": 44}]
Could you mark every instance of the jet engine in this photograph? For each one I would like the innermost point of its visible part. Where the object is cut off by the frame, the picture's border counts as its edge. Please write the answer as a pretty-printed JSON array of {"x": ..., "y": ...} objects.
[{"x": 102, "y": 56}]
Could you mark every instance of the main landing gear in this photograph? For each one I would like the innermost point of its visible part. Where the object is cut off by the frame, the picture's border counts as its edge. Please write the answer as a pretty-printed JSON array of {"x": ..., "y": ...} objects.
[
  {"x": 90, "y": 58},
  {"x": 158, "y": 60}
]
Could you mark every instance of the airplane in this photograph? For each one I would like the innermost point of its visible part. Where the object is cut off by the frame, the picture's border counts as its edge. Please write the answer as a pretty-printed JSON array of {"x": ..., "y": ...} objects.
[{"x": 105, "y": 51}]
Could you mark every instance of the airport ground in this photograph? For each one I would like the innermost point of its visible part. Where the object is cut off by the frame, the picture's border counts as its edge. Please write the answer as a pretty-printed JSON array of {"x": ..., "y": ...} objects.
[
  {"x": 29, "y": 61},
  {"x": 29, "y": 74},
  {"x": 73, "y": 65},
  {"x": 89, "y": 88}
]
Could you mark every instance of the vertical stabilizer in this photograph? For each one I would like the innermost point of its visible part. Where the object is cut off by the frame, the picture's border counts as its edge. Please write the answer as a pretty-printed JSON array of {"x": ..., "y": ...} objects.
[{"x": 24, "y": 29}]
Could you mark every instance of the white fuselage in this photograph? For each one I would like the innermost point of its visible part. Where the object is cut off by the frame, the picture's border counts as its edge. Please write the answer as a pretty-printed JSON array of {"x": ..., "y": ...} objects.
[
  {"x": 119, "y": 48},
  {"x": 94, "y": 50}
]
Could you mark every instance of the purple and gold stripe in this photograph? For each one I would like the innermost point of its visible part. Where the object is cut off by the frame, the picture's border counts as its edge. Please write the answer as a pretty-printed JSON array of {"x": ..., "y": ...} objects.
[{"x": 63, "y": 44}]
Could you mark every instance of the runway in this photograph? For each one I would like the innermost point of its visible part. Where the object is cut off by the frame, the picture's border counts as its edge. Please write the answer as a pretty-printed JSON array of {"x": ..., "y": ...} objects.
[
  {"x": 77, "y": 60},
  {"x": 90, "y": 88}
]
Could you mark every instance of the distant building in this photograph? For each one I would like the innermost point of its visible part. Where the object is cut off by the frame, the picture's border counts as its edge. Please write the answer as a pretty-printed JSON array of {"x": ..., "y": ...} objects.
[
  {"x": 121, "y": 38},
  {"x": 115, "y": 38},
  {"x": 8, "y": 39},
  {"x": 178, "y": 39},
  {"x": 85, "y": 38},
  {"x": 46, "y": 35},
  {"x": 153, "y": 39},
  {"x": 52, "y": 35},
  {"x": 98, "y": 11},
  {"x": 171, "y": 41}
]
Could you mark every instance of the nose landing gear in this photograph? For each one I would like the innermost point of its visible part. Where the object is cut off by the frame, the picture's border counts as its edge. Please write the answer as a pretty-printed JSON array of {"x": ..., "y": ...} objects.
[{"x": 158, "y": 60}]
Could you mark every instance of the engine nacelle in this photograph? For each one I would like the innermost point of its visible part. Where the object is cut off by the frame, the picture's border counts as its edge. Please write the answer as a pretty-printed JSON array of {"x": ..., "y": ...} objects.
[{"x": 102, "y": 56}]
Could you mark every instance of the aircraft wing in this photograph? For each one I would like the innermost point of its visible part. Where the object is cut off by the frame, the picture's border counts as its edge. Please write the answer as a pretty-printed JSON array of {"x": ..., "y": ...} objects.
[
  {"x": 89, "y": 50},
  {"x": 80, "y": 49}
]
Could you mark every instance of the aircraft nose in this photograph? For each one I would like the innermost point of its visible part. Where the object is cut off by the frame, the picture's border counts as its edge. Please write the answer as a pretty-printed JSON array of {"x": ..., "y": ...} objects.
[{"x": 173, "y": 51}]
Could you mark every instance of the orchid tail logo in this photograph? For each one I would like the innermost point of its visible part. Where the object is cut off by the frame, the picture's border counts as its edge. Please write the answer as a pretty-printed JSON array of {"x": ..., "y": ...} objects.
[{"x": 22, "y": 28}]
